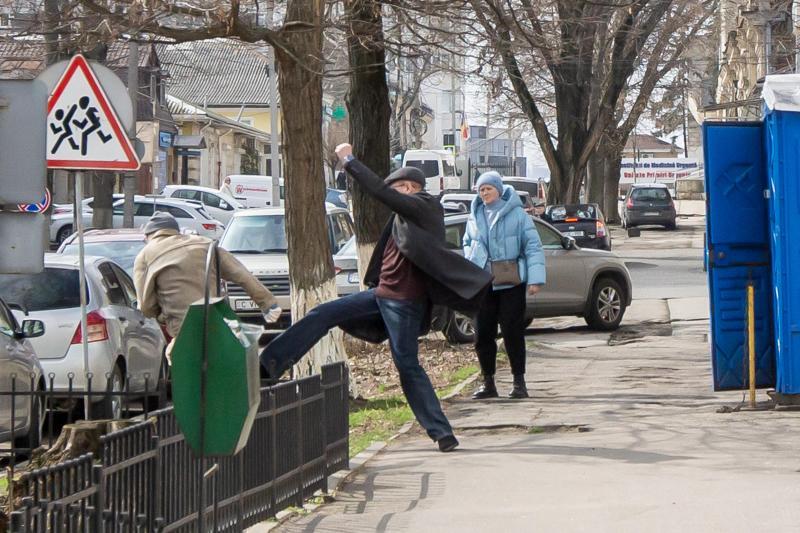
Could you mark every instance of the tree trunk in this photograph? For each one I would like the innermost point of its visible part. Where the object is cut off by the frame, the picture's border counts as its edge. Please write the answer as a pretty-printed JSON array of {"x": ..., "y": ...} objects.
[
  {"x": 102, "y": 210},
  {"x": 613, "y": 166},
  {"x": 595, "y": 180},
  {"x": 370, "y": 111},
  {"x": 300, "y": 86}
]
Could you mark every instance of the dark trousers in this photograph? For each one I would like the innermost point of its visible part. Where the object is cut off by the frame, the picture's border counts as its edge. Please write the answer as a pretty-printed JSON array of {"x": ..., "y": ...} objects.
[
  {"x": 506, "y": 308},
  {"x": 403, "y": 321}
]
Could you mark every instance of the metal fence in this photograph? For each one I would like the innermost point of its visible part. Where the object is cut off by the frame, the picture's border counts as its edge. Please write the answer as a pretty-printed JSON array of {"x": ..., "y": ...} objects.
[{"x": 146, "y": 478}]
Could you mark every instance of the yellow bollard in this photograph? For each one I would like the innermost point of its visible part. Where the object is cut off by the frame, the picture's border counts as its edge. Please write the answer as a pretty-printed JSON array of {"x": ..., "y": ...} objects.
[{"x": 751, "y": 340}]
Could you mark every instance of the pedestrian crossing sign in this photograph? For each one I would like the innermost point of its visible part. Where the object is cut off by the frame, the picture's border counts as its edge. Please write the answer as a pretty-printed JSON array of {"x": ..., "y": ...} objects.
[{"x": 83, "y": 131}]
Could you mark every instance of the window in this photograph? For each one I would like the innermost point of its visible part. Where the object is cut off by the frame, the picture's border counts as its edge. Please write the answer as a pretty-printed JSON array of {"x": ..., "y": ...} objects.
[
  {"x": 211, "y": 200},
  {"x": 54, "y": 288},
  {"x": 188, "y": 194},
  {"x": 256, "y": 234},
  {"x": 127, "y": 285},
  {"x": 177, "y": 212},
  {"x": 449, "y": 170},
  {"x": 123, "y": 252},
  {"x": 550, "y": 239},
  {"x": 143, "y": 209},
  {"x": 111, "y": 284},
  {"x": 428, "y": 167},
  {"x": 454, "y": 235},
  {"x": 448, "y": 139},
  {"x": 6, "y": 322},
  {"x": 650, "y": 195},
  {"x": 341, "y": 231}
]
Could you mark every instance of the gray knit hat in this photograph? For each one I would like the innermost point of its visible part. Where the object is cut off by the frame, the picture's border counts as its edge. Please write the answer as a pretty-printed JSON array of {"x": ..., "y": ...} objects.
[{"x": 161, "y": 220}]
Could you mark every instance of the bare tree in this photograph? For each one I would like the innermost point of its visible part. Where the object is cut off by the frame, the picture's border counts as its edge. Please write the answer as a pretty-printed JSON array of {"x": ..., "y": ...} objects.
[
  {"x": 298, "y": 45},
  {"x": 555, "y": 41},
  {"x": 368, "y": 103},
  {"x": 660, "y": 60}
]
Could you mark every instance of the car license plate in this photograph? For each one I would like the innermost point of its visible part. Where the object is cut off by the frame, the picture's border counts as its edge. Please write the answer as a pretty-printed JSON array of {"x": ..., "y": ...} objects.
[
  {"x": 573, "y": 233},
  {"x": 244, "y": 305},
  {"x": 652, "y": 214}
]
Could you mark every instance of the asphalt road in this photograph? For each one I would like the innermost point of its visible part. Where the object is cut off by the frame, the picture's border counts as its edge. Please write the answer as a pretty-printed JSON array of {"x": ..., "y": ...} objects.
[{"x": 665, "y": 264}]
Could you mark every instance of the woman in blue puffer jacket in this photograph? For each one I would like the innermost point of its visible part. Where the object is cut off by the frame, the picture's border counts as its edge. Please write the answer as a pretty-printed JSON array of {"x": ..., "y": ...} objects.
[{"x": 502, "y": 238}]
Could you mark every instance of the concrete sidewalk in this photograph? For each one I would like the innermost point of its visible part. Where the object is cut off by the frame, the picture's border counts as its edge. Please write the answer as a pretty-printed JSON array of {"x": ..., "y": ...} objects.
[{"x": 621, "y": 434}]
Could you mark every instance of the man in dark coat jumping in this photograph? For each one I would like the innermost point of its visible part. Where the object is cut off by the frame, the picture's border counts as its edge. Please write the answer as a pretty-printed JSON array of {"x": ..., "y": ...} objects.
[{"x": 410, "y": 270}]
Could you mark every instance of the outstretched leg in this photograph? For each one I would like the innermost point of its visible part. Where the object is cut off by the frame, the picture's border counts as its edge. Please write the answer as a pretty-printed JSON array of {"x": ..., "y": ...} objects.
[{"x": 290, "y": 346}]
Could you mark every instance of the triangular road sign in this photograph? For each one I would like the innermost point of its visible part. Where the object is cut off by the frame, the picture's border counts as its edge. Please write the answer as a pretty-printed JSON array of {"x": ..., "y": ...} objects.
[{"x": 83, "y": 131}]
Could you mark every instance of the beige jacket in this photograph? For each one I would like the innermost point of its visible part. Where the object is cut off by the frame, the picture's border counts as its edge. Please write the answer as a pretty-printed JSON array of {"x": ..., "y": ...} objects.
[{"x": 168, "y": 274}]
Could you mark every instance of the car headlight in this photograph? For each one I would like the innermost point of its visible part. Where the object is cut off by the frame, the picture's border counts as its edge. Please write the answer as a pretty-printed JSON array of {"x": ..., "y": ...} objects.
[{"x": 352, "y": 277}]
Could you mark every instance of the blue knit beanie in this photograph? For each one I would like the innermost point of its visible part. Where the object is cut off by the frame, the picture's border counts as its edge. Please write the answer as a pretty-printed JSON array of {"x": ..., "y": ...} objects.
[{"x": 490, "y": 178}]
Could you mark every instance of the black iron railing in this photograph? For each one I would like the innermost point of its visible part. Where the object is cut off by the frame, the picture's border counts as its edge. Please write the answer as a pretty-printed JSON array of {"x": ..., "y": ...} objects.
[{"x": 146, "y": 478}]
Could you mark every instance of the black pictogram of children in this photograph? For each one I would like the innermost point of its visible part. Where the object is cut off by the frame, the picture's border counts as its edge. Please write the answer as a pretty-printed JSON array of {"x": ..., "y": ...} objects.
[{"x": 89, "y": 124}]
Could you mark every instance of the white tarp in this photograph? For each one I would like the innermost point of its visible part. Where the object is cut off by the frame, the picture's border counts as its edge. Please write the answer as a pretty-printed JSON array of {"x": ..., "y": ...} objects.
[{"x": 781, "y": 92}]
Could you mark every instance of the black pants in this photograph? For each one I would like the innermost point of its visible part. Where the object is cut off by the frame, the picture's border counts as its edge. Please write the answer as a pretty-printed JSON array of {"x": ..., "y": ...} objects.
[{"x": 506, "y": 308}]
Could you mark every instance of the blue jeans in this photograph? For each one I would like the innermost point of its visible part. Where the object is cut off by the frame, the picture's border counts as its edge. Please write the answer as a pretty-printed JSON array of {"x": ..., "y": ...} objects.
[{"x": 403, "y": 320}]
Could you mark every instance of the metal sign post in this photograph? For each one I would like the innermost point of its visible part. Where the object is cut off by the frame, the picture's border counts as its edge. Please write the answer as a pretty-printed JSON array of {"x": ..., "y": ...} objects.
[
  {"x": 84, "y": 132},
  {"x": 82, "y": 287}
]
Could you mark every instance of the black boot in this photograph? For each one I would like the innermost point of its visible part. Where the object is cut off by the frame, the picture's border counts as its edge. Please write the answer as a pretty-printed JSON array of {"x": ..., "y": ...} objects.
[
  {"x": 520, "y": 390},
  {"x": 487, "y": 390}
]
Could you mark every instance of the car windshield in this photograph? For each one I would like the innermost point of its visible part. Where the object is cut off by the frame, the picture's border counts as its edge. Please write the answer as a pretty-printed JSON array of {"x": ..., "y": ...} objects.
[
  {"x": 650, "y": 195},
  {"x": 122, "y": 252},
  {"x": 430, "y": 167},
  {"x": 532, "y": 188},
  {"x": 53, "y": 288},
  {"x": 560, "y": 213},
  {"x": 349, "y": 248},
  {"x": 256, "y": 235}
]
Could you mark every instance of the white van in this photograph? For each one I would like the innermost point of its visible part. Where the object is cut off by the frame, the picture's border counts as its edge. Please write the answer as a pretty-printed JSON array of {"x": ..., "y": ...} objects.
[
  {"x": 253, "y": 191},
  {"x": 439, "y": 167}
]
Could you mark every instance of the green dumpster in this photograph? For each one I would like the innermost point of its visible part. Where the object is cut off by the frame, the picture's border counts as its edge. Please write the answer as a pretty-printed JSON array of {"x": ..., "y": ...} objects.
[{"x": 232, "y": 382}]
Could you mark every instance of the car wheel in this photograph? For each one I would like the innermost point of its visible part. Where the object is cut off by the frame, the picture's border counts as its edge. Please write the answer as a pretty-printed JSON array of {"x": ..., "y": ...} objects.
[
  {"x": 460, "y": 329},
  {"x": 163, "y": 391},
  {"x": 63, "y": 233},
  {"x": 111, "y": 405},
  {"x": 607, "y": 306},
  {"x": 672, "y": 226},
  {"x": 33, "y": 439}
]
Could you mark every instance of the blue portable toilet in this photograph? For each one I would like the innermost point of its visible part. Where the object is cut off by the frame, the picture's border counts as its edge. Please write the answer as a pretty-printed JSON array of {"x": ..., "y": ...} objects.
[
  {"x": 782, "y": 131},
  {"x": 737, "y": 251}
]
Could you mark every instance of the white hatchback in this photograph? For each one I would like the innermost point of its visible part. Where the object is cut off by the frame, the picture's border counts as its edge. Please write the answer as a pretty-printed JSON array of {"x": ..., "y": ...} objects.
[
  {"x": 218, "y": 204},
  {"x": 126, "y": 350},
  {"x": 190, "y": 215}
]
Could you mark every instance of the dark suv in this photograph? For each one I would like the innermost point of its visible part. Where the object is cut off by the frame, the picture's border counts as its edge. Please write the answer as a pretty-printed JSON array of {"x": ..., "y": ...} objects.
[{"x": 647, "y": 204}]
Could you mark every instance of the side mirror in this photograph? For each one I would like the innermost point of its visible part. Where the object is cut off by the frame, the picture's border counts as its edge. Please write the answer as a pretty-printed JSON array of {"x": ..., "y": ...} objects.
[
  {"x": 31, "y": 329},
  {"x": 459, "y": 172},
  {"x": 568, "y": 243}
]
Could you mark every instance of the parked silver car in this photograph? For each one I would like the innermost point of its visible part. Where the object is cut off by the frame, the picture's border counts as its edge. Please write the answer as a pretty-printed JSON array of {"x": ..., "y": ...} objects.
[
  {"x": 126, "y": 350},
  {"x": 593, "y": 284},
  {"x": 20, "y": 366}
]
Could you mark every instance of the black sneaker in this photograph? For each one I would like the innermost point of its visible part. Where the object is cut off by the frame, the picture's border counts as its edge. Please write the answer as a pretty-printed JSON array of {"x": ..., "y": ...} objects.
[{"x": 448, "y": 443}]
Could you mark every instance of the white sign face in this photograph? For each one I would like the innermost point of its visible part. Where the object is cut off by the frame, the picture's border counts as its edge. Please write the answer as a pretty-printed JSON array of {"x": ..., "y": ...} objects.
[
  {"x": 655, "y": 169},
  {"x": 83, "y": 132}
]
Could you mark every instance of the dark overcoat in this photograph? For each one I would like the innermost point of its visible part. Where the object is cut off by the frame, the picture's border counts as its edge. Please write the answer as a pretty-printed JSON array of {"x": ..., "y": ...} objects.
[{"x": 417, "y": 225}]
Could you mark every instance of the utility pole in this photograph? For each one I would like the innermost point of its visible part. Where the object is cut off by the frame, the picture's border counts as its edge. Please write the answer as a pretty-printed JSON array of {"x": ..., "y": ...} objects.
[
  {"x": 453, "y": 102},
  {"x": 486, "y": 149},
  {"x": 129, "y": 181},
  {"x": 274, "y": 139}
]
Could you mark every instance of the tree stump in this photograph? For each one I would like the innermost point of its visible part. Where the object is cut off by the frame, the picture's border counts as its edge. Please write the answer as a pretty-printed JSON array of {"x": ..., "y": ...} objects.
[{"x": 76, "y": 439}]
